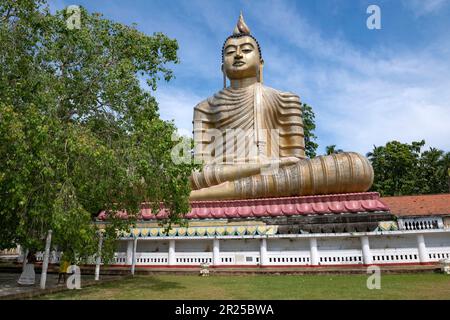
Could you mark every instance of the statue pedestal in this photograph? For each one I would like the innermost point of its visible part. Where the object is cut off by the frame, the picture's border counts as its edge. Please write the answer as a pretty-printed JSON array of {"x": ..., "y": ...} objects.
[
  {"x": 288, "y": 206},
  {"x": 335, "y": 213}
]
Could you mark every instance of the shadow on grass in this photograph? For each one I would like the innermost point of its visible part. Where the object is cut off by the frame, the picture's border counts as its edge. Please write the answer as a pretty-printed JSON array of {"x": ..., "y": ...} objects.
[{"x": 144, "y": 283}]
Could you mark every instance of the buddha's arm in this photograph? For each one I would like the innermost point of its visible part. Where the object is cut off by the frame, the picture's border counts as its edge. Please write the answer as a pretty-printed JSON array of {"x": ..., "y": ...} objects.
[
  {"x": 337, "y": 173},
  {"x": 201, "y": 126},
  {"x": 214, "y": 174}
]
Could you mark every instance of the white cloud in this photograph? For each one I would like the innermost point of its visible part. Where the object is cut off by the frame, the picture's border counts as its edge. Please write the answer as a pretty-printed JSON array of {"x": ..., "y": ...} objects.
[
  {"x": 424, "y": 7},
  {"x": 360, "y": 98},
  {"x": 177, "y": 104}
]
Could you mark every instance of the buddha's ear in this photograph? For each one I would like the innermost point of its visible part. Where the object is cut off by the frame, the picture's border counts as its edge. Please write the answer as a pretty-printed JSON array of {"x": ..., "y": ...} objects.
[
  {"x": 224, "y": 76},
  {"x": 259, "y": 75}
]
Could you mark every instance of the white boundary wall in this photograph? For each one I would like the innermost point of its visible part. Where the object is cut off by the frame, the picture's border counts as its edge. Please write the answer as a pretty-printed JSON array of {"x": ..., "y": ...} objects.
[{"x": 388, "y": 247}]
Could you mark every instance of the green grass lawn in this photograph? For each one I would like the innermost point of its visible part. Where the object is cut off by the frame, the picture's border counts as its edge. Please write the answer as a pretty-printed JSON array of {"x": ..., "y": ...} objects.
[{"x": 405, "y": 286}]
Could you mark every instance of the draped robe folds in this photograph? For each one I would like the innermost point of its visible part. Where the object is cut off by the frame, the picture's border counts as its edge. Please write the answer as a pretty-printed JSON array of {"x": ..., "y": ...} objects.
[
  {"x": 269, "y": 131},
  {"x": 238, "y": 129}
]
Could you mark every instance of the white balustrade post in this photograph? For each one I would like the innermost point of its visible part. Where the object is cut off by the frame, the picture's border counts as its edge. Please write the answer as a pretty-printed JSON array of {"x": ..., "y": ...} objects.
[
  {"x": 46, "y": 257},
  {"x": 171, "y": 259},
  {"x": 423, "y": 254},
  {"x": 263, "y": 252},
  {"x": 440, "y": 223},
  {"x": 216, "y": 252},
  {"x": 133, "y": 259},
  {"x": 129, "y": 252},
  {"x": 99, "y": 256},
  {"x": 367, "y": 255},
  {"x": 313, "y": 251}
]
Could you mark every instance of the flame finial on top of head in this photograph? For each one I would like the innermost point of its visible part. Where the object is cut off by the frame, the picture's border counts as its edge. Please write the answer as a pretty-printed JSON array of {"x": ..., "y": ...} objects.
[{"x": 241, "y": 26}]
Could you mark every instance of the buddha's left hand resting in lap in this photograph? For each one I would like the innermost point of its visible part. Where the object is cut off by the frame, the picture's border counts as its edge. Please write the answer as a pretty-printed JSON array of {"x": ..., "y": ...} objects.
[{"x": 250, "y": 138}]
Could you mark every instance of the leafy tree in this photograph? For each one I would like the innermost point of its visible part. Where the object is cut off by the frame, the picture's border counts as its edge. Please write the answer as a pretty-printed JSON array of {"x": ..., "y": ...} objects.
[
  {"x": 309, "y": 126},
  {"x": 78, "y": 133},
  {"x": 331, "y": 149},
  {"x": 403, "y": 169},
  {"x": 433, "y": 171}
]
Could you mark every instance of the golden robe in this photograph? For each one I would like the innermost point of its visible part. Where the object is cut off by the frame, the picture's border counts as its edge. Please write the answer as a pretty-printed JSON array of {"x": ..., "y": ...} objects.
[
  {"x": 237, "y": 132},
  {"x": 258, "y": 111}
]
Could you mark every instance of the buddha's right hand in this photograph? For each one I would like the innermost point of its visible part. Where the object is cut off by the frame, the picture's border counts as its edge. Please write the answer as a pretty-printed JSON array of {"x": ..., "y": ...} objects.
[
  {"x": 214, "y": 174},
  {"x": 219, "y": 192},
  {"x": 272, "y": 166}
]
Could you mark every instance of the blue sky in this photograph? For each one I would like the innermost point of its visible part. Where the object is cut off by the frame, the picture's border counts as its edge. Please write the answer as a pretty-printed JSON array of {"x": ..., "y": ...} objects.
[{"x": 366, "y": 87}]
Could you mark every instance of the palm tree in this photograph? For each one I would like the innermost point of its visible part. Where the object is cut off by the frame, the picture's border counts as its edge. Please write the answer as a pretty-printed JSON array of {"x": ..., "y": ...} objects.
[{"x": 332, "y": 149}]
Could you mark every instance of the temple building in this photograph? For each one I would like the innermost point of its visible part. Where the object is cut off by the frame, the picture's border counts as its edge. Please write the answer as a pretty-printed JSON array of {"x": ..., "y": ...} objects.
[
  {"x": 346, "y": 229},
  {"x": 260, "y": 202}
]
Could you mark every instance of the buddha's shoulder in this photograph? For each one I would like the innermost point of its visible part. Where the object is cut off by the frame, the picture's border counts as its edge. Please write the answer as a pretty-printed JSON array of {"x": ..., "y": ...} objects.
[
  {"x": 226, "y": 95},
  {"x": 202, "y": 105},
  {"x": 281, "y": 94},
  {"x": 216, "y": 99}
]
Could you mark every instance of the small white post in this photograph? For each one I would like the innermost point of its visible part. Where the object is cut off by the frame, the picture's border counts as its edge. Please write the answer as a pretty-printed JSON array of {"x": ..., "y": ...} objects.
[
  {"x": 367, "y": 255},
  {"x": 133, "y": 262},
  {"x": 171, "y": 259},
  {"x": 263, "y": 252},
  {"x": 313, "y": 251},
  {"x": 216, "y": 252},
  {"x": 45, "y": 262},
  {"x": 423, "y": 254},
  {"x": 129, "y": 252},
  {"x": 24, "y": 260},
  {"x": 99, "y": 256}
]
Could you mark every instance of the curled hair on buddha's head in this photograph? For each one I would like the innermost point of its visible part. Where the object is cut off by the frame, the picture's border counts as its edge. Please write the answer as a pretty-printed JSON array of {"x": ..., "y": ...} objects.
[{"x": 241, "y": 30}]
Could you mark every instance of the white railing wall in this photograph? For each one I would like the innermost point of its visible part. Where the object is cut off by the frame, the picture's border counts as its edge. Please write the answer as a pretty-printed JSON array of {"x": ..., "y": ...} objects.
[
  {"x": 151, "y": 258},
  {"x": 120, "y": 258},
  {"x": 393, "y": 247},
  {"x": 190, "y": 258},
  {"x": 437, "y": 254},
  {"x": 288, "y": 258},
  {"x": 388, "y": 256},
  {"x": 420, "y": 223},
  {"x": 333, "y": 257}
]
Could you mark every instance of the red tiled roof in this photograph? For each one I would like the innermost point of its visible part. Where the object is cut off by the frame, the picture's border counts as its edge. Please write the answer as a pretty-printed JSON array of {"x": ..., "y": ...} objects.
[
  {"x": 274, "y": 207},
  {"x": 288, "y": 206},
  {"x": 422, "y": 205}
]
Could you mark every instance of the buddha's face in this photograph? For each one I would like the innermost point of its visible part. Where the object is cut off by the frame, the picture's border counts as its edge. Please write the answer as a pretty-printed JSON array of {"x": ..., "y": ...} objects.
[{"x": 241, "y": 58}]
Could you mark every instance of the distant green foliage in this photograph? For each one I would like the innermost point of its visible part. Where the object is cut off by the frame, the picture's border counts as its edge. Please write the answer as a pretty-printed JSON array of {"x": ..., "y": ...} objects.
[
  {"x": 309, "y": 126},
  {"x": 78, "y": 134},
  {"x": 404, "y": 169},
  {"x": 332, "y": 150}
]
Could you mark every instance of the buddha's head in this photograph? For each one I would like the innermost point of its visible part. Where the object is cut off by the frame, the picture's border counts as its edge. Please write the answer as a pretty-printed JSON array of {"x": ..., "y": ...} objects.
[{"x": 241, "y": 54}]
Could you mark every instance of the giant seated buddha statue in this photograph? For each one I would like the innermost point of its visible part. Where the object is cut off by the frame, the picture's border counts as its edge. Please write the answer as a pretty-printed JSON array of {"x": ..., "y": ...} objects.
[{"x": 250, "y": 138}]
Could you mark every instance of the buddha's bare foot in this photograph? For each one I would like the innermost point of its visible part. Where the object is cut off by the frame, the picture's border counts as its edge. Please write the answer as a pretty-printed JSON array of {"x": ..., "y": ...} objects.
[{"x": 219, "y": 192}]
